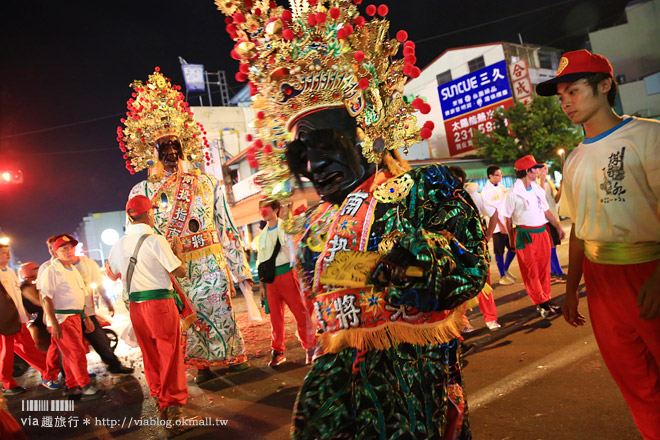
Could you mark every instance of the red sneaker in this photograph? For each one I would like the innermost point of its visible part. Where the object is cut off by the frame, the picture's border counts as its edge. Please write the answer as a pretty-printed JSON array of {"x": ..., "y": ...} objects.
[{"x": 277, "y": 359}]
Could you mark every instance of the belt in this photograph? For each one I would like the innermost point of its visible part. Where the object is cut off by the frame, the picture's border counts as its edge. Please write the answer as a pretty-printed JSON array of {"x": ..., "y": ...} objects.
[
  {"x": 282, "y": 269},
  {"x": 621, "y": 253},
  {"x": 524, "y": 235},
  {"x": 71, "y": 312},
  {"x": 146, "y": 295}
]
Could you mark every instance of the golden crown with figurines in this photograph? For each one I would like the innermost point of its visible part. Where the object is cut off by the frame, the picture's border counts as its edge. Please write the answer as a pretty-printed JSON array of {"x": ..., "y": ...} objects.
[
  {"x": 156, "y": 110},
  {"x": 318, "y": 55}
]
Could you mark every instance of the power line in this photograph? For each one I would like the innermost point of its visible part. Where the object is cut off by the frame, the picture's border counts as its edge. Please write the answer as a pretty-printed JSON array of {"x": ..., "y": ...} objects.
[
  {"x": 423, "y": 40},
  {"x": 57, "y": 127},
  {"x": 52, "y": 153}
]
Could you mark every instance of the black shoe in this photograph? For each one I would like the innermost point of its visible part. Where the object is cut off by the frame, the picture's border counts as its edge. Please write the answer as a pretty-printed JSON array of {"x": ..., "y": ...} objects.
[
  {"x": 554, "y": 309},
  {"x": 13, "y": 391},
  {"x": 558, "y": 278},
  {"x": 204, "y": 375},
  {"x": 121, "y": 370},
  {"x": 238, "y": 367}
]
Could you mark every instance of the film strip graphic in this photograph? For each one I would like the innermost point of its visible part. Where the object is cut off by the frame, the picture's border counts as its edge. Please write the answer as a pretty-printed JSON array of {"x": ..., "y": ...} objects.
[{"x": 47, "y": 405}]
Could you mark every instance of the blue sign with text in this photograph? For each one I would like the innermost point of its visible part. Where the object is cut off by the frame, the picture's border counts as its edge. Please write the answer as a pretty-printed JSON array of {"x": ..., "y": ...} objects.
[{"x": 475, "y": 90}]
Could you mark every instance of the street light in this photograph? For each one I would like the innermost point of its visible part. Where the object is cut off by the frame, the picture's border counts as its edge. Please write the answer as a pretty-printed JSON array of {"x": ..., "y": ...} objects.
[
  {"x": 4, "y": 241},
  {"x": 562, "y": 154},
  {"x": 109, "y": 236}
]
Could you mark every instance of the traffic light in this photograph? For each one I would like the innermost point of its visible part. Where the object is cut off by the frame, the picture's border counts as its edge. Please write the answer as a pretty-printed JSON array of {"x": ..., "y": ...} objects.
[{"x": 11, "y": 177}]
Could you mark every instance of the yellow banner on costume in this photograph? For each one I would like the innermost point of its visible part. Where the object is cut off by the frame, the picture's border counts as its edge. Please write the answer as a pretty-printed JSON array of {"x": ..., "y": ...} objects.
[{"x": 352, "y": 269}]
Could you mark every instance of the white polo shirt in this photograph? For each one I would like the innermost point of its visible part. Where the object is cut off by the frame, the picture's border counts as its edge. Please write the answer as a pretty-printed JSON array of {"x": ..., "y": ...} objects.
[
  {"x": 90, "y": 273},
  {"x": 525, "y": 207},
  {"x": 10, "y": 281},
  {"x": 155, "y": 259},
  {"x": 65, "y": 287},
  {"x": 493, "y": 196},
  {"x": 41, "y": 270}
]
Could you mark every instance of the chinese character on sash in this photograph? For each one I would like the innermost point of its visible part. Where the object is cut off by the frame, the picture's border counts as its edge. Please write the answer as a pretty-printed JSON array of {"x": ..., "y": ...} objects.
[{"x": 348, "y": 314}]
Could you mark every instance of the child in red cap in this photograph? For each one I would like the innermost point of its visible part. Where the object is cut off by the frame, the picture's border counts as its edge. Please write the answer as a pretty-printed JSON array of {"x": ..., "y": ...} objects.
[{"x": 611, "y": 188}]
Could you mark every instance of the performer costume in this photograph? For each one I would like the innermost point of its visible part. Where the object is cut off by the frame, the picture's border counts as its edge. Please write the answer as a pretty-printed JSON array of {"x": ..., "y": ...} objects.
[
  {"x": 192, "y": 206},
  {"x": 612, "y": 189},
  {"x": 20, "y": 343},
  {"x": 153, "y": 311},
  {"x": 66, "y": 288},
  {"x": 389, "y": 361},
  {"x": 285, "y": 289},
  {"x": 377, "y": 341},
  {"x": 526, "y": 208}
]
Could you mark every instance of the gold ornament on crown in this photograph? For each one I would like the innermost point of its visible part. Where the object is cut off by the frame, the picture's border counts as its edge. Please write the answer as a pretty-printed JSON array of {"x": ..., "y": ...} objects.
[
  {"x": 156, "y": 110},
  {"x": 318, "y": 55}
]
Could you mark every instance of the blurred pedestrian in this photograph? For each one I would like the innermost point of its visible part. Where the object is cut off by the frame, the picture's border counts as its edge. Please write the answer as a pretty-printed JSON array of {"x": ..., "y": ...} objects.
[
  {"x": 21, "y": 342},
  {"x": 525, "y": 206},
  {"x": 486, "y": 299},
  {"x": 612, "y": 191},
  {"x": 63, "y": 295},
  {"x": 493, "y": 194},
  {"x": 552, "y": 196},
  {"x": 284, "y": 288}
]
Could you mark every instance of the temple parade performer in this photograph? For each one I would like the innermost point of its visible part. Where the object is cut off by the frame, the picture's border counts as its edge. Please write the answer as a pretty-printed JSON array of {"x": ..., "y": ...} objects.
[
  {"x": 391, "y": 254},
  {"x": 161, "y": 134}
]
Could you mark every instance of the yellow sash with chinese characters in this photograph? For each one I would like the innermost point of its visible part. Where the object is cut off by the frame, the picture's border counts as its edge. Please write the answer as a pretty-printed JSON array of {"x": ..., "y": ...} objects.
[
  {"x": 195, "y": 245},
  {"x": 361, "y": 317}
]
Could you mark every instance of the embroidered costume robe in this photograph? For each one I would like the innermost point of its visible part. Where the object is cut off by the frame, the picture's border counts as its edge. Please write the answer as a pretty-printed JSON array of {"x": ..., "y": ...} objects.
[
  {"x": 194, "y": 208},
  {"x": 391, "y": 361}
]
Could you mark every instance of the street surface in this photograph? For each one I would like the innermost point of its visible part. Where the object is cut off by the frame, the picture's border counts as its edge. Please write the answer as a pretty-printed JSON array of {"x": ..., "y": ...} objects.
[{"x": 532, "y": 379}]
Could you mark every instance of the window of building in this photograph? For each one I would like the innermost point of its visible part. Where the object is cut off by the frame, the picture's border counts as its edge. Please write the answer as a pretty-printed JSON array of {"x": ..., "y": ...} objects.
[
  {"x": 476, "y": 64},
  {"x": 444, "y": 77}
]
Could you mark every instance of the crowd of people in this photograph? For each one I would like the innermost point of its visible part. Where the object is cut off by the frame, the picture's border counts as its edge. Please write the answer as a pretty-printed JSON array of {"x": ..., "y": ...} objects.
[{"x": 378, "y": 275}]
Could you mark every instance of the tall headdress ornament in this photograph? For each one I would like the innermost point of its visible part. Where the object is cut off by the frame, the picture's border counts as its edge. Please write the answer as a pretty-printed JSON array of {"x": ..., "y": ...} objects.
[
  {"x": 318, "y": 55},
  {"x": 157, "y": 109}
]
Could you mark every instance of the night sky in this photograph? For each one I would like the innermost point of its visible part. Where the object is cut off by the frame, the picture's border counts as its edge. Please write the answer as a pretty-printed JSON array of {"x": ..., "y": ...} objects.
[{"x": 66, "y": 67}]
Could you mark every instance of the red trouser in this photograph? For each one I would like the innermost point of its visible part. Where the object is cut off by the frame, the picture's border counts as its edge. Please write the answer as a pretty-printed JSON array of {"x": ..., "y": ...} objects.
[
  {"x": 534, "y": 262},
  {"x": 487, "y": 305},
  {"x": 286, "y": 289},
  {"x": 158, "y": 331},
  {"x": 22, "y": 344},
  {"x": 629, "y": 344},
  {"x": 74, "y": 353}
]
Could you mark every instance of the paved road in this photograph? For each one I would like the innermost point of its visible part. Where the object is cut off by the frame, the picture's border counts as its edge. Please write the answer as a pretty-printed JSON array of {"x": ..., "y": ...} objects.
[{"x": 533, "y": 379}]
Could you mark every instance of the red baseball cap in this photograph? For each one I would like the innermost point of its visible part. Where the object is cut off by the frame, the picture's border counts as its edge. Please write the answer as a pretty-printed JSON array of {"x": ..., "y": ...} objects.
[
  {"x": 62, "y": 240},
  {"x": 573, "y": 66},
  {"x": 139, "y": 204},
  {"x": 526, "y": 163}
]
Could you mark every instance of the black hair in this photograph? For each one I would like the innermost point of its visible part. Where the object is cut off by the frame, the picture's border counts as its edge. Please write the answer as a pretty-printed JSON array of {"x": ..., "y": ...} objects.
[
  {"x": 138, "y": 217},
  {"x": 520, "y": 174},
  {"x": 593, "y": 79},
  {"x": 274, "y": 204},
  {"x": 491, "y": 170},
  {"x": 458, "y": 172}
]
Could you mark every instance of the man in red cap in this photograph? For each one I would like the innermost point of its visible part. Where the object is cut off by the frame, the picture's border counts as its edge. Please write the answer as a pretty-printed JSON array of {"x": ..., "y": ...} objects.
[
  {"x": 153, "y": 311},
  {"x": 612, "y": 190},
  {"x": 63, "y": 294},
  {"x": 526, "y": 207},
  {"x": 20, "y": 343}
]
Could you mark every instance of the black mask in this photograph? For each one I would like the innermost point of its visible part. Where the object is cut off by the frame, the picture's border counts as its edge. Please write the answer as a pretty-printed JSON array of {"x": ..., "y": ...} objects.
[
  {"x": 169, "y": 151},
  {"x": 326, "y": 152}
]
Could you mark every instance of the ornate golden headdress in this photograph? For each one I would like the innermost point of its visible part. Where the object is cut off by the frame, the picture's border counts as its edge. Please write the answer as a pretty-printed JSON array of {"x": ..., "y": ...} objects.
[
  {"x": 157, "y": 109},
  {"x": 319, "y": 55}
]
